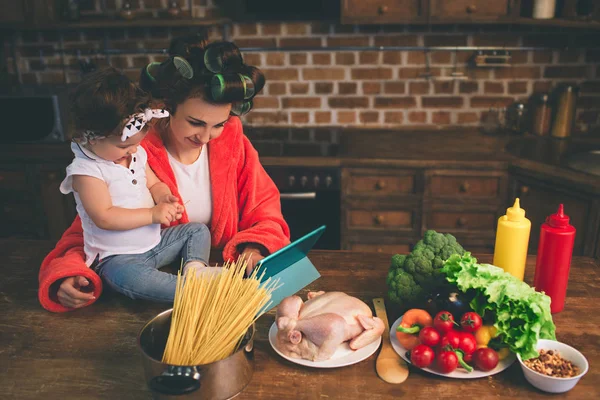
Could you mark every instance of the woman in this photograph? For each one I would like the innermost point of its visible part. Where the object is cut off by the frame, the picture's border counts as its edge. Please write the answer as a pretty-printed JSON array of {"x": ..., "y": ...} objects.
[{"x": 205, "y": 159}]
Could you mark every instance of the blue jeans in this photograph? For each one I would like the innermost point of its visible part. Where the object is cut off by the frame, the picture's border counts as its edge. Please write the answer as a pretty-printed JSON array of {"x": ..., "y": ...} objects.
[{"x": 138, "y": 276}]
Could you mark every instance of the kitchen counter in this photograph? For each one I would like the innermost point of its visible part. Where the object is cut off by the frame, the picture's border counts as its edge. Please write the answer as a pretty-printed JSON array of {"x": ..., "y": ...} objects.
[
  {"x": 454, "y": 148},
  {"x": 556, "y": 159},
  {"x": 450, "y": 148},
  {"x": 91, "y": 353}
]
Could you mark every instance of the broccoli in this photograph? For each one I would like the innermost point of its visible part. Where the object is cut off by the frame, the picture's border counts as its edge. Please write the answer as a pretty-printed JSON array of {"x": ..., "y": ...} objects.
[{"x": 412, "y": 276}]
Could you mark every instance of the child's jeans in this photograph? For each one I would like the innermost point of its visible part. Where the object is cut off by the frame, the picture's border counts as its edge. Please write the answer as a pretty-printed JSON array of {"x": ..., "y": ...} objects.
[{"x": 138, "y": 276}]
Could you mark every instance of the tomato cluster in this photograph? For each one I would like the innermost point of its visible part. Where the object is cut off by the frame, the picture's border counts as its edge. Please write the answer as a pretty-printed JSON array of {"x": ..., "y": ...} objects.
[{"x": 447, "y": 345}]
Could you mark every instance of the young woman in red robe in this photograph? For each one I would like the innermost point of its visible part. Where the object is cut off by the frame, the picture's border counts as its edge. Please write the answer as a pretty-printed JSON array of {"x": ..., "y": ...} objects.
[{"x": 205, "y": 159}]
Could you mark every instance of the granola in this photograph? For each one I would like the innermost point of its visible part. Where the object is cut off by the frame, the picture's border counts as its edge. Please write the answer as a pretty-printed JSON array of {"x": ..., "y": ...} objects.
[{"x": 552, "y": 364}]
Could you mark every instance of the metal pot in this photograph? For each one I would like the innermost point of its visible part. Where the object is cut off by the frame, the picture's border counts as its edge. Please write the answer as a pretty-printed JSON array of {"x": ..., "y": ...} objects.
[{"x": 221, "y": 379}]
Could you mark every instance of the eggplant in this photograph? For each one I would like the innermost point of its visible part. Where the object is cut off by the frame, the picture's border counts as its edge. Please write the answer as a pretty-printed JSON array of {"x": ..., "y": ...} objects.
[{"x": 449, "y": 299}]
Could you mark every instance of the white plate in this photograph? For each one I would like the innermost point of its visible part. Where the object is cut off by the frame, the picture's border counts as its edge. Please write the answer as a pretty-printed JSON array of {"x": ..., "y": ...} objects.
[
  {"x": 458, "y": 373},
  {"x": 342, "y": 357}
]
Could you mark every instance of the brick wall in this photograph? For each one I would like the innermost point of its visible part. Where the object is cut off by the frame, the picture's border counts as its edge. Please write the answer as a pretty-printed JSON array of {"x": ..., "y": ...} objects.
[{"x": 372, "y": 89}]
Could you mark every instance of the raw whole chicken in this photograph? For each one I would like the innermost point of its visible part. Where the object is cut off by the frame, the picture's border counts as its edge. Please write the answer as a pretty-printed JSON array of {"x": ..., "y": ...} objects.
[{"x": 314, "y": 330}]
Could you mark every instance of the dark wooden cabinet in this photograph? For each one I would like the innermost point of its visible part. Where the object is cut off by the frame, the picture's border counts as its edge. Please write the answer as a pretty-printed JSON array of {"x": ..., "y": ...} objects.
[
  {"x": 380, "y": 11},
  {"x": 464, "y": 9},
  {"x": 28, "y": 11},
  {"x": 389, "y": 209},
  {"x": 540, "y": 198},
  {"x": 31, "y": 205},
  {"x": 381, "y": 208},
  {"x": 13, "y": 12},
  {"x": 422, "y": 11}
]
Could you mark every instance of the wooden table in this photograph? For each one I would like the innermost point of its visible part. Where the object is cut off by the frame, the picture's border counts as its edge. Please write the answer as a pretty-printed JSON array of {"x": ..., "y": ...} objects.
[{"x": 92, "y": 353}]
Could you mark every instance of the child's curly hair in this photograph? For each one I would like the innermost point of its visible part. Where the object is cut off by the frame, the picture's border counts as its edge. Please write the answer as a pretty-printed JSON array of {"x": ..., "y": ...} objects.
[{"x": 102, "y": 103}]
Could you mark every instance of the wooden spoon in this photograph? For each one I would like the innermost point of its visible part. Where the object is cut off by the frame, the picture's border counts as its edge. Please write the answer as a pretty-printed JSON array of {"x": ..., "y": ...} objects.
[{"x": 390, "y": 366}]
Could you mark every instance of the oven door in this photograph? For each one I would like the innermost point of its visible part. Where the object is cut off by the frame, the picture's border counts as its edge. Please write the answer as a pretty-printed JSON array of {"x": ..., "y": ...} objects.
[{"x": 306, "y": 211}]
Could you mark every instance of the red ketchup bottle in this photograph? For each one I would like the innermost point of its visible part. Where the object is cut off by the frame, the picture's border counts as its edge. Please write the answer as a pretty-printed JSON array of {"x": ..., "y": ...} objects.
[{"x": 553, "y": 262}]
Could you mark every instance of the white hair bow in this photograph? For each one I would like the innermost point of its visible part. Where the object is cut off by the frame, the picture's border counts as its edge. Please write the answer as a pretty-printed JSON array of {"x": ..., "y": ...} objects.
[{"x": 137, "y": 121}]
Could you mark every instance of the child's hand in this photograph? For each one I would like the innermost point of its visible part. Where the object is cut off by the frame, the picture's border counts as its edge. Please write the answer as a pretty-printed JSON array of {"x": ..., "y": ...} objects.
[
  {"x": 168, "y": 198},
  {"x": 180, "y": 210},
  {"x": 164, "y": 213}
]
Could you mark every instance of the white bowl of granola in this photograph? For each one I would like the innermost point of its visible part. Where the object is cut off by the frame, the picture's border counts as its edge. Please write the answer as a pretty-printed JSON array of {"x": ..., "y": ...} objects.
[{"x": 557, "y": 369}]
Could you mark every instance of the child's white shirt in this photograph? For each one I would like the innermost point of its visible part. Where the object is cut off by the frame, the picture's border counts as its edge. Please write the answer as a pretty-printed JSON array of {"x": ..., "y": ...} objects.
[{"x": 127, "y": 188}]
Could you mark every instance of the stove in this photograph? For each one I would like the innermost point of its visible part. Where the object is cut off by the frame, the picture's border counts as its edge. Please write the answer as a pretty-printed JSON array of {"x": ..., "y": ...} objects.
[{"x": 310, "y": 197}]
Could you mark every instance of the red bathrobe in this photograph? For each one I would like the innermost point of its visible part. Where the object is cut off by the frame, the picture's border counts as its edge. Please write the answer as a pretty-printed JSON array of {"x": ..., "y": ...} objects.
[{"x": 246, "y": 208}]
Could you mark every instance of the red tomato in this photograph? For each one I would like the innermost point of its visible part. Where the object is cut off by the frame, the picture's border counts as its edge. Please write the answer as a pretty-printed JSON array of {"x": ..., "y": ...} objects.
[
  {"x": 447, "y": 361},
  {"x": 422, "y": 356},
  {"x": 467, "y": 343},
  {"x": 429, "y": 336},
  {"x": 485, "y": 359},
  {"x": 451, "y": 339},
  {"x": 468, "y": 358},
  {"x": 443, "y": 322},
  {"x": 470, "y": 322}
]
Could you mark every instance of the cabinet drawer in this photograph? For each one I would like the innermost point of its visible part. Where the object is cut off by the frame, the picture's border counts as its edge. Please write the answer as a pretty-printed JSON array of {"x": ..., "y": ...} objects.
[
  {"x": 380, "y": 219},
  {"x": 381, "y": 185},
  {"x": 467, "y": 186},
  {"x": 380, "y": 10},
  {"x": 12, "y": 180},
  {"x": 380, "y": 248},
  {"x": 469, "y": 8},
  {"x": 476, "y": 221}
]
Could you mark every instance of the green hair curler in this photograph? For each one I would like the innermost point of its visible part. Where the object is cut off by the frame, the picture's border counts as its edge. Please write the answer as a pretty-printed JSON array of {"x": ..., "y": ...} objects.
[
  {"x": 212, "y": 60},
  {"x": 217, "y": 87},
  {"x": 241, "y": 108},
  {"x": 248, "y": 86}
]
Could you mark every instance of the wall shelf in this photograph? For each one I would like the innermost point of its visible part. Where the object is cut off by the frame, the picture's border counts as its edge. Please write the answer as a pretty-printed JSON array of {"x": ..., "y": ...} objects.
[
  {"x": 519, "y": 22},
  {"x": 122, "y": 24}
]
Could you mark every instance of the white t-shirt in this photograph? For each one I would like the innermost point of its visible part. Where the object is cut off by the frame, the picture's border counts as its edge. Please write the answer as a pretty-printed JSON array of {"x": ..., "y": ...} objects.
[
  {"x": 127, "y": 188},
  {"x": 193, "y": 182}
]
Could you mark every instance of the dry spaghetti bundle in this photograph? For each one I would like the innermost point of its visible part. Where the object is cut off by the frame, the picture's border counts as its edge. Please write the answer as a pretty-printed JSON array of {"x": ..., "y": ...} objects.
[{"x": 212, "y": 313}]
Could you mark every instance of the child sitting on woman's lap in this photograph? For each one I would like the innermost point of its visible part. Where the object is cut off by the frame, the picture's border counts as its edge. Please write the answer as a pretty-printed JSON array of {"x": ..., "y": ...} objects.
[{"x": 120, "y": 200}]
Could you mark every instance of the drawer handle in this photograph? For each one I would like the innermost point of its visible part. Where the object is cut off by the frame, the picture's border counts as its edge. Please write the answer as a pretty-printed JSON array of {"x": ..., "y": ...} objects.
[
  {"x": 379, "y": 250},
  {"x": 472, "y": 9},
  {"x": 382, "y": 10},
  {"x": 524, "y": 190},
  {"x": 378, "y": 219},
  {"x": 380, "y": 184},
  {"x": 464, "y": 187},
  {"x": 461, "y": 221}
]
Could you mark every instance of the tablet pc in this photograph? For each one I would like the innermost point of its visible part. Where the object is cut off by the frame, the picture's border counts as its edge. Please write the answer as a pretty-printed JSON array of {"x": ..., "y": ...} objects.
[{"x": 291, "y": 266}]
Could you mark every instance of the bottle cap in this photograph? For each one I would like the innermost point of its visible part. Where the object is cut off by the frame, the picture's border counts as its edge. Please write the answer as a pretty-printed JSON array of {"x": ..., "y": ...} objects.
[
  {"x": 558, "y": 220},
  {"x": 515, "y": 213}
]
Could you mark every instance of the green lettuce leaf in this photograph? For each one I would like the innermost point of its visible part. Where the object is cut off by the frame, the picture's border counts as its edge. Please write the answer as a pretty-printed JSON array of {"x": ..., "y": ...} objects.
[{"x": 522, "y": 315}]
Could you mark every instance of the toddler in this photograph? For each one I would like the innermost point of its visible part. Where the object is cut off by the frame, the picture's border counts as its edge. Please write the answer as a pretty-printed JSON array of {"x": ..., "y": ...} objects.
[{"x": 121, "y": 202}]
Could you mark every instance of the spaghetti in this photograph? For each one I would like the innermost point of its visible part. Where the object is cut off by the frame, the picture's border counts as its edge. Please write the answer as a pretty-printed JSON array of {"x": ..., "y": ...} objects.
[{"x": 212, "y": 313}]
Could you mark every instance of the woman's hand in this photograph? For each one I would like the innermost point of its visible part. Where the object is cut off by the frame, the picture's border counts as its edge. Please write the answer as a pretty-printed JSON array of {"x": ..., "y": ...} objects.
[
  {"x": 252, "y": 254},
  {"x": 70, "y": 292}
]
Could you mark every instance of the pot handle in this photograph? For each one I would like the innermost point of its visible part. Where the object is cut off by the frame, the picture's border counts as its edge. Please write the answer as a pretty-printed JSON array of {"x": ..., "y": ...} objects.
[
  {"x": 249, "y": 346},
  {"x": 176, "y": 381}
]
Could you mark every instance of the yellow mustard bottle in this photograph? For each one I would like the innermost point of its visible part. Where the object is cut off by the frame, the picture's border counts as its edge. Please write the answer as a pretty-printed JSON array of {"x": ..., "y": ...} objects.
[{"x": 512, "y": 240}]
